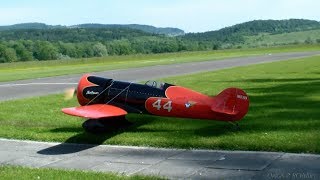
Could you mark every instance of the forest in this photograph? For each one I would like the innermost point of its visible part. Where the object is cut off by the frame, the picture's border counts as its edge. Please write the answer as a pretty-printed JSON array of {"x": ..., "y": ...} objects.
[{"x": 36, "y": 41}]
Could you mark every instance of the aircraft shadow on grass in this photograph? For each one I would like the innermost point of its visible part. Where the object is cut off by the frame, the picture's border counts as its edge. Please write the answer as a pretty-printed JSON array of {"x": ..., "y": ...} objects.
[{"x": 84, "y": 140}]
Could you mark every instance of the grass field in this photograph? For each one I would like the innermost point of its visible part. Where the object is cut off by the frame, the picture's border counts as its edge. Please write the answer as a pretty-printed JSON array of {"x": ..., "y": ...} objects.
[
  {"x": 15, "y": 172},
  {"x": 284, "y": 38},
  {"x": 29, "y": 70},
  {"x": 284, "y": 114}
]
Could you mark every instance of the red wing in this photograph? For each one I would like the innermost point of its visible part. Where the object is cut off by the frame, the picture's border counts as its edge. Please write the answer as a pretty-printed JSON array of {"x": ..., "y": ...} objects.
[{"x": 95, "y": 111}]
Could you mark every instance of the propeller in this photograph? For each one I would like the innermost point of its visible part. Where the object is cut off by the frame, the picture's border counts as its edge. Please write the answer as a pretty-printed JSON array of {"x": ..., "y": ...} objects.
[{"x": 69, "y": 93}]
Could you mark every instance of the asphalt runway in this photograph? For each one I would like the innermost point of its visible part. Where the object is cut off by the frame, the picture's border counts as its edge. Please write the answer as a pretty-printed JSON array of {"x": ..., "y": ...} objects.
[{"x": 51, "y": 85}]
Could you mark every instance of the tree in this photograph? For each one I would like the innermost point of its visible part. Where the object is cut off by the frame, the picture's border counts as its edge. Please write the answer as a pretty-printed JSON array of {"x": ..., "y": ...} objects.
[
  {"x": 120, "y": 47},
  {"x": 88, "y": 49},
  {"x": 7, "y": 54},
  {"x": 99, "y": 50},
  {"x": 2, "y": 49},
  {"x": 22, "y": 53},
  {"x": 308, "y": 41},
  {"x": 45, "y": 51},
  {"x": 216, "y": 45},
  {"x": 29, "y": 45},
  {"x": 68, "y": 49}
]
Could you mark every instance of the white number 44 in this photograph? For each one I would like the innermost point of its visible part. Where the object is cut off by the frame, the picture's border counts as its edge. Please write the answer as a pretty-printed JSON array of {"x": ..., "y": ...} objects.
[{"x": 166, "y": 106}]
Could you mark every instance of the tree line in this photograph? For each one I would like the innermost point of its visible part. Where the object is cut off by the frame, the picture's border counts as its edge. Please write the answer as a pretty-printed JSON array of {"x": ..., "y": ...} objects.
[
  {"x": 28, "y": 50},
  {"x": 66, "y": 43}
]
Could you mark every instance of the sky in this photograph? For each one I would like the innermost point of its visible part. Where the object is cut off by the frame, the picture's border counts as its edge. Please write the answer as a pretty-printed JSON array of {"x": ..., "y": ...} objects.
[{"x": 188, "y": 15}]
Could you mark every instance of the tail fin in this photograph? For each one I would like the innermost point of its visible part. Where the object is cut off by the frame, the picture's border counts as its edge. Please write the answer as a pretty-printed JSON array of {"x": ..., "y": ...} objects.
[{"x": 231, "y": 103}]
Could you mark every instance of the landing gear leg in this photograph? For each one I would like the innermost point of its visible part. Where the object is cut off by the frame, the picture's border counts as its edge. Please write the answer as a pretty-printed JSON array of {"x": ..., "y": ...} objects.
[
  {"x": 97, "y": 126},
  {"x": 235, "y": 125}
]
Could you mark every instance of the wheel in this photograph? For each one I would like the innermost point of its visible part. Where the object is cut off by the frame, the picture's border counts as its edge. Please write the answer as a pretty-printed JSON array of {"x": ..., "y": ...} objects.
[
  {"x": 94, "y": 126},
  {"x": 97, "y": 126}
]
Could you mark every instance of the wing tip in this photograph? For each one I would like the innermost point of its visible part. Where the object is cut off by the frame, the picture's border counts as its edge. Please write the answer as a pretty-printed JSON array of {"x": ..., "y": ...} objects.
[{"x": 96, "y": 111}]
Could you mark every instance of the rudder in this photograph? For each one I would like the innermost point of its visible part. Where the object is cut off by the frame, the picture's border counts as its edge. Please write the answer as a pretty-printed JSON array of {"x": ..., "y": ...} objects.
[{"x": 231, "y": 103}]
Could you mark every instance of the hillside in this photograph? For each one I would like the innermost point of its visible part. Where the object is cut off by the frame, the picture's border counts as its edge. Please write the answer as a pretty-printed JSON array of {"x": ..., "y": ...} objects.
[
  {"x": 72, "y": 35},
  {"x": 29, "y": 26},
  {"x": 235, "y": 34},
  {"x": 265, "y": 39},
  {"x": 36, "y": 41},
  {"x": 145, "y": 28}
]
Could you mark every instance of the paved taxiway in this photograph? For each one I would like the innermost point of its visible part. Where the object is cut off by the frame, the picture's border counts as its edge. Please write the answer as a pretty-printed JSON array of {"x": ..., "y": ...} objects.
[
  {"x": 169, "y": 163},
  {"x": 51, "y": 85}
]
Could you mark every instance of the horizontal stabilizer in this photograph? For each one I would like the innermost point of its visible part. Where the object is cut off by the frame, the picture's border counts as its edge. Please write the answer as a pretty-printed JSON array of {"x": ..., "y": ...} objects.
[
  {"x": 177, "y": 92},
  {"x": 224, "y": 111},
  {"x": 95, "y": 111}
]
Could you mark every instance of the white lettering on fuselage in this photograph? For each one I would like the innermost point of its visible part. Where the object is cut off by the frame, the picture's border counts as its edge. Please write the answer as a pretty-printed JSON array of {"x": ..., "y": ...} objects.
[
  {"x": 242, "y": 97},
  {"x": 91, "y": 93}
]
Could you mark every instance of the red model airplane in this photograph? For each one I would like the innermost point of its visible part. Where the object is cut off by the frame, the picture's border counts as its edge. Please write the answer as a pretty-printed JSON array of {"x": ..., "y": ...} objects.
[{"x": 104, "y": 99}]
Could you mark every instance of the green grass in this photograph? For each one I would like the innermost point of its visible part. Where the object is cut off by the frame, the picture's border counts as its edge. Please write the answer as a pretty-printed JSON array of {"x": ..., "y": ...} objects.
[
  {"x": 36, "y": 69},
  {"x": 16, "y": 172},
  {"x": 284, "y": 114},
  {"x": 284, "y": 38}
]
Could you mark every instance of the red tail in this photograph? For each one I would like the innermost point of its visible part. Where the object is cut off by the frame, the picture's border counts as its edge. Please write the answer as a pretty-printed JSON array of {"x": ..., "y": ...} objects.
[{"x": 232, "y": 103}]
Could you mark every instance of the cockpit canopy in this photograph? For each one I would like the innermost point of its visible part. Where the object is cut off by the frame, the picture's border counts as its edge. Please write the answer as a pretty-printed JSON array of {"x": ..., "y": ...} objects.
[{"x": 157, "y": 84}]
